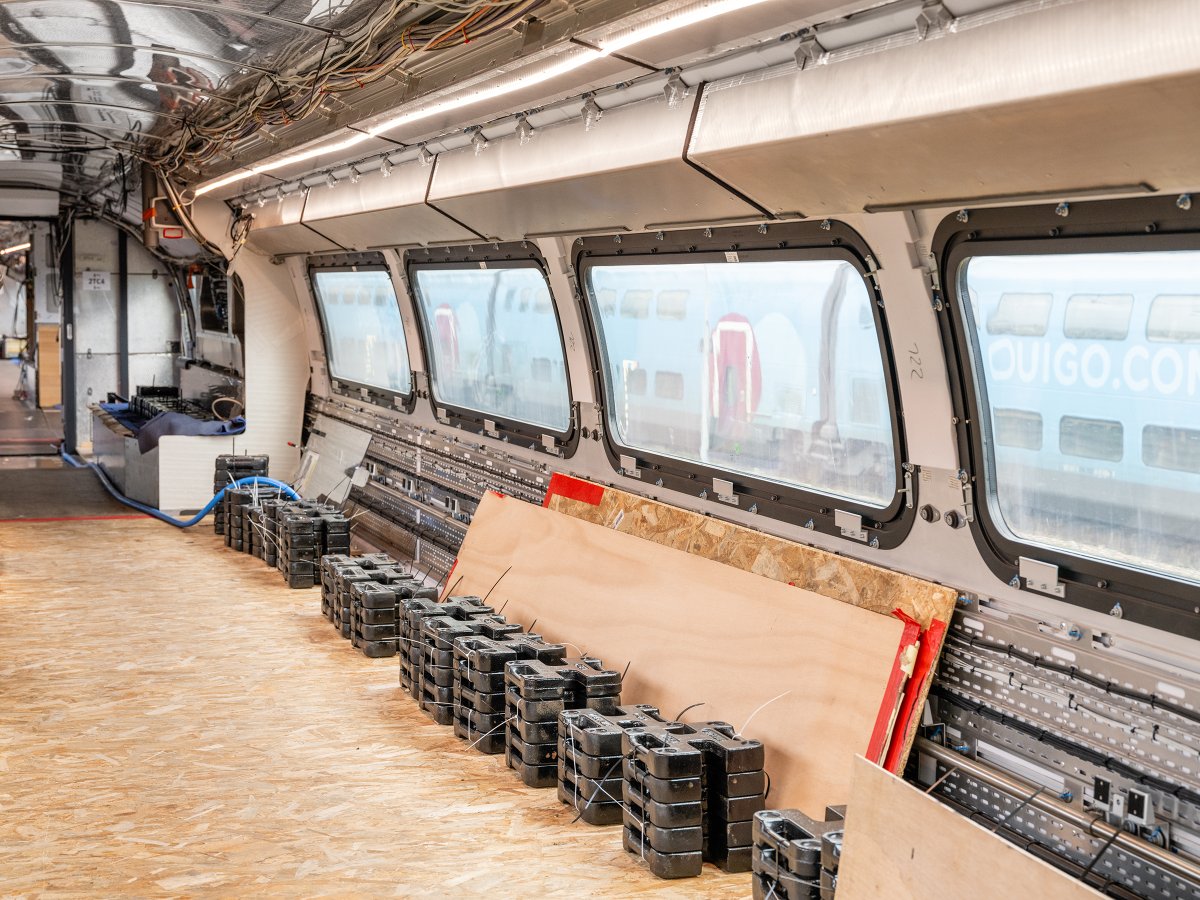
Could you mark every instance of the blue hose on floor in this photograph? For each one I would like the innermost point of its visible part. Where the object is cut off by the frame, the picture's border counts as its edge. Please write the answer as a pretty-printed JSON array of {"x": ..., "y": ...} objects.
[{"x": 159, "y": 514}]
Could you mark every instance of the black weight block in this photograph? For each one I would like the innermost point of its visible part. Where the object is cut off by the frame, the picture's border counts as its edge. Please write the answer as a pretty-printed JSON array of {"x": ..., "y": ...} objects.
[
  {"x": 491, "y": 744},
  {"x": 483, "y": 654},
  {"x": 662, "y": 790},
  {"x": 378, "y": 649},
  {"x": 536, "y": 711},
  {"x": 373, "y": 595},
  {"x": 378, "y": 633},
  {"x": 536, "y": 776},
  {"x": 684, "y": 814},
  {"x": 442, "y": 676},
  {"x": 532, "y": 647},
  {"x": 436, "y": 695},
  {"x": 534, "y": 754},
  {"x": 533, "y": 732},
  {"x": 831, "y": 850},
  {"x": 479, "y": 701},
  {"x": 726, "y": 753},
  {"x": 662, "y": 752},
  {"x": 734, "y": 809},
  {"x": 483, "y": 682},
  {"x": 594, "y": 812},
  {"x": 589, "y": 790},
  {"x": 441, "y": 631},
  {"x": 589, "y": 766},
  {"x": 685, "y": 839},
  {"x": 378, "y": 616},
  {"x": 663, "y": 865}
]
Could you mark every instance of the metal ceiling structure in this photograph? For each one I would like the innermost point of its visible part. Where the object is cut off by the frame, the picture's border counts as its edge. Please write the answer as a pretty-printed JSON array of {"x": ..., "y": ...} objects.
[{"x": 97, "y": 85}]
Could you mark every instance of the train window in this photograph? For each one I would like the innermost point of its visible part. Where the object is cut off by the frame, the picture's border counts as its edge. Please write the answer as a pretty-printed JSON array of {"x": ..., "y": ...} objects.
[
  {"x": 1098, "y": 317},
  {"x": 768, "y": 368},
  {"x": 490, "y": 359},
  {"x": 1091, "y": 438},
  {"x": 1125, "y": 361},
  {"x": 1022, "y": 313},
  {"x": 1175, "y": 318},
  {"x": 364, "y": 334},
  {"x": 1171, "y": 448},
  {"x": 1018, "y": 428}
]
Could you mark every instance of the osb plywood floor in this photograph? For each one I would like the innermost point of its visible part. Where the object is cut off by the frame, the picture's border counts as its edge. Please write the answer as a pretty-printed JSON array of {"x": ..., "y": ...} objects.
[{"x": 176, "y": 722}]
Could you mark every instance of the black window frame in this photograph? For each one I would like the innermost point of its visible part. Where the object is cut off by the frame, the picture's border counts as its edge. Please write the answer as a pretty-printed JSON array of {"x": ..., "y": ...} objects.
[
  {"x": 357, "y": 390},
  {"x": 886, "y": 527},
  {"x": 495, "y": 255},
  {"x": 1103, "y": 226}
]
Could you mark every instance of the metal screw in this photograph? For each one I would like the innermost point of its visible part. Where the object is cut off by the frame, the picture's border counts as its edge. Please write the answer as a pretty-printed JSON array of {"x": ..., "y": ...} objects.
[
  {"x": 963, "y": 216},
  {"x": 708, "y": 232},
  {"x": 658, "y": 482},
  {"x": 826, "y": 225},
  {"x": 616, "y": 239},
  {"x": 963, "y": 476},
  {"x": 1063, "y": 209},
  {"x": 762, "y": 229},
  {"x": 1116, "y": 612},
  {"x": 1015, "y": 582},
  {"x": 1184, "y": 202},
  {"x": 874, "y": 543},
  {"x": 753, "y": 509},
  {"x": 659, "y": 236},
  {"x": 810, "y": 525}
]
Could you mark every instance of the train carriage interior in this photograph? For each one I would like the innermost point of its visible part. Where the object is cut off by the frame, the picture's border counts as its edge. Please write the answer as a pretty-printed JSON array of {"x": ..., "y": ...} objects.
[{"x": 641, "y": 448}]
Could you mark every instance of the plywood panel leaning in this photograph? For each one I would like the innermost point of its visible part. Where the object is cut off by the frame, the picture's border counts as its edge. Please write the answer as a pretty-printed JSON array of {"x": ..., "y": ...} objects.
[
  {"x": 696, "y": 631},
  {"x": 840, "y": 578},
  {"x": 901, "y": 843}
]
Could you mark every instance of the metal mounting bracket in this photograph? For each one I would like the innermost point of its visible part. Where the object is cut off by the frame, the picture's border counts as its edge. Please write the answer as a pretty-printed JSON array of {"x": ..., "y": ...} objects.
[
  {"x": 724, "y": 491},
  {"x": 1041, "y": 577},
  {"x": 629, "y": 466},
  {"x": 850, "y": 525}
]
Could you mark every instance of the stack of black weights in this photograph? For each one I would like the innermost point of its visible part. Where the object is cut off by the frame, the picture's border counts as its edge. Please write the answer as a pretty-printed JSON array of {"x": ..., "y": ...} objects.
[
  {"x": 589, "y": 759},
  {"x": 480, "y": 713},
  {"x": 374, "y": 625},
  {"x": 363, "y": 595},
  {"x": 537, "y": 693},
  {"x": 304, "y": 531},
  {"x": 411, "y": 645},
  {"x": 456, "y": 618},
  {"x": 299, "y": 548},
  {"x": 690, "y": 796},
  {"x": 227, "y": 470},
  {"x": 795, "y": 856}
]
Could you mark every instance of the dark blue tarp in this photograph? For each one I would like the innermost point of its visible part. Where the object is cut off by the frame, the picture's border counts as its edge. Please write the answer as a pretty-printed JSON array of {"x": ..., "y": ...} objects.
[
  {"x": 179, "y": 423},
  {"x": 148, "y": 432}
]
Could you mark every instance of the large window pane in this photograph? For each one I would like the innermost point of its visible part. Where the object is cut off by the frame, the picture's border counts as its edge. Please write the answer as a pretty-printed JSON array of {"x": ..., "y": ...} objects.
[
  {"x": 363, "y": 330},
  {"x": 769, "y": 369},
  {"x": 495, "y": 344},
  {"x": 1116, "y": 371}
]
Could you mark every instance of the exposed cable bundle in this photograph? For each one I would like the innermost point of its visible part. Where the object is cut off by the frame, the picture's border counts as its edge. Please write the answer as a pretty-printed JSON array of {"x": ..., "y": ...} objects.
[{"x": 347, "y": 63}]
